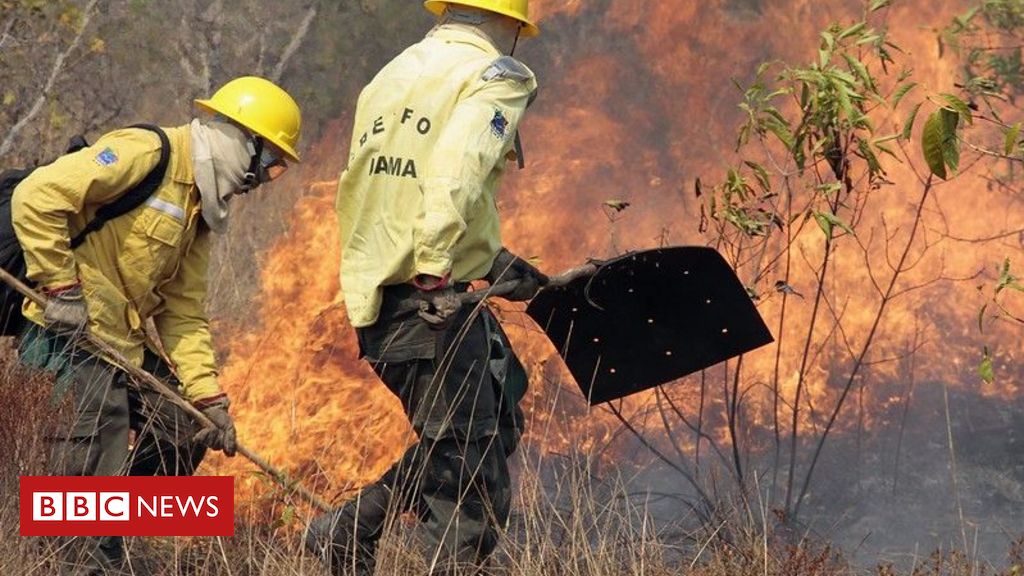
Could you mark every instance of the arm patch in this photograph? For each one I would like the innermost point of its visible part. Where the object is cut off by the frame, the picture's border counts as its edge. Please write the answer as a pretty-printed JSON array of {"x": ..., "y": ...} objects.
[{"x": 508, "y": 68}]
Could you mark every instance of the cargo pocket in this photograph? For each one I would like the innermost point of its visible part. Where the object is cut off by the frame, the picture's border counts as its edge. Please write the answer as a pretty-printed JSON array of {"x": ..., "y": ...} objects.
[
  {"x": 398, "y": 341},
  {"x": 166, "y": 228},
  {"x": 167, "y": 232},
  {"x": 152, "y": 250}
]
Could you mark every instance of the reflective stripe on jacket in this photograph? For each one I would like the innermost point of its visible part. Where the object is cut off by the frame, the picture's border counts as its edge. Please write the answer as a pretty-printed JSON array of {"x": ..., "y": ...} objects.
[
  {"x": 430, "y": 142},
  {"x": 149, "y": 263}
]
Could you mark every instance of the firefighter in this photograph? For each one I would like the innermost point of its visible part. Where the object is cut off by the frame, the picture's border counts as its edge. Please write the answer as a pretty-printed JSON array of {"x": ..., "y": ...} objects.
[
  {"x": 148, "y": 264},
  {"x": 433, "y": 133}
]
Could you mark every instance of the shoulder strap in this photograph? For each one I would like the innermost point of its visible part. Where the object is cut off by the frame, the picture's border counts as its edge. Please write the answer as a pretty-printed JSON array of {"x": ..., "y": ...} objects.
[{"x": 134, "y": 197}]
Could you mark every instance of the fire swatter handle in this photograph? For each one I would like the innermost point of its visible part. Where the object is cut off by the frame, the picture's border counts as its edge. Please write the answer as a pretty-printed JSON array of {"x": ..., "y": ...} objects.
[
  {"x": 507, "y": 287},
  {"x": 114, "y": 357}
]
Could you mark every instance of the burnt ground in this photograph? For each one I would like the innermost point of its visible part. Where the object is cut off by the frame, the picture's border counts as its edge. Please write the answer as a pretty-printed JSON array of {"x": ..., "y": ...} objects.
[{"x": 859, "y": 501}]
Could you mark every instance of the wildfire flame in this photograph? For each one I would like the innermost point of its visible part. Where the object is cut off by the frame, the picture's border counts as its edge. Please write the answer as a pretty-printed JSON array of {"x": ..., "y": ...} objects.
[{"x": 636, "y": 103}]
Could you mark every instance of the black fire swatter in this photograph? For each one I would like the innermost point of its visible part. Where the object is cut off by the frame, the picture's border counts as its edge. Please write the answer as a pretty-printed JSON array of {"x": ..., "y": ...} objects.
[{"x": 648, "y": 318}]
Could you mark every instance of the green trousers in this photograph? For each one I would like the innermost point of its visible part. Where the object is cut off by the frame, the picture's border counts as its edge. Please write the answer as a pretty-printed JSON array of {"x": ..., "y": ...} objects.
[
  {"x": 460, "y": 388},
  {"x": 95, "y": 408}
]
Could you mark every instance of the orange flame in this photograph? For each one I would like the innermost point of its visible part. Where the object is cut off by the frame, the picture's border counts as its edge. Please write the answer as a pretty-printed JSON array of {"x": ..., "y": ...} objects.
[{"x": 637, "y": 104}]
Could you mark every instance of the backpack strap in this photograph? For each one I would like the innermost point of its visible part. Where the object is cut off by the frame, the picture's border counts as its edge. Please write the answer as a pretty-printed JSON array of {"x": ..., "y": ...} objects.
[{"x": 134, "y": 197}]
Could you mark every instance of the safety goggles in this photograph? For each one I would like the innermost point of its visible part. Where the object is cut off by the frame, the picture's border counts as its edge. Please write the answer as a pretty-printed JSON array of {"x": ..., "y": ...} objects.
[
  {"x": 267, "y": 163},
  {"x": 272, "y": 162}
]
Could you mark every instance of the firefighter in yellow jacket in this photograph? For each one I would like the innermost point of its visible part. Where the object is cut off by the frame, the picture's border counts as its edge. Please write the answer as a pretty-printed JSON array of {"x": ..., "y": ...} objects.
[
  {"x": 433, "y": 133},
  {"x": 150, "y": 263}
]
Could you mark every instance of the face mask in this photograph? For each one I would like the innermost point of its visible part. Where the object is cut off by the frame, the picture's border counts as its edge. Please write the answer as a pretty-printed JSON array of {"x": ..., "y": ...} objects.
[{"x": 220, "y": 160}]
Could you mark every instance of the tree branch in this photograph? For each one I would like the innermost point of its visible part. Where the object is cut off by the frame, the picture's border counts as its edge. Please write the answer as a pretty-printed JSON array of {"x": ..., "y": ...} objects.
[
  {"x": 293, "y": 45},
  {"x": 55, "y": 71}
]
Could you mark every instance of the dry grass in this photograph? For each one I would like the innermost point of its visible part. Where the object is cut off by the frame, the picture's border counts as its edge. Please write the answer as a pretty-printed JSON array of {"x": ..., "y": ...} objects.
[
  {"x": 566, "y": 522},
  {"x": 570, "y": 518}
]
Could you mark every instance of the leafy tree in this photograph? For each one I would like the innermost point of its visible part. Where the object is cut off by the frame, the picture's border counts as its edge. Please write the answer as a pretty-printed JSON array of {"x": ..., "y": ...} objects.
[{"x": 809, "y": 195}]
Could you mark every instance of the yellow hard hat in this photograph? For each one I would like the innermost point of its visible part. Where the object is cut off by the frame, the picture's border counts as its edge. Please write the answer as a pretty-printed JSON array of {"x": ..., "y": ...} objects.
[
  {"x": 517, "y": 9},
  {"x": 263, "y": 108}
]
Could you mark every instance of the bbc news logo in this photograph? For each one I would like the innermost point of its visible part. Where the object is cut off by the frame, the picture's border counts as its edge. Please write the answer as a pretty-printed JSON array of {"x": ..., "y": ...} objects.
[{"x": 127, "y": 506}]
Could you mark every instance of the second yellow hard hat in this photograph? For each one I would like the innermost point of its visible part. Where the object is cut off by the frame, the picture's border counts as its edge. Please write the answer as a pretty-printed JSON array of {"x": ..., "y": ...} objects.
[{"x": 516, "y": 9}]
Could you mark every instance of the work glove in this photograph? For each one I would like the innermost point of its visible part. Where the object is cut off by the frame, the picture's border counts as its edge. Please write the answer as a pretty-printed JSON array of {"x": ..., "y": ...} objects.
[
  {"x": 507, "y": 267},
  {"x": 438, "y": 307},
  {"x": 65, "y": 312},
  {"x": 222, "y": 436}
]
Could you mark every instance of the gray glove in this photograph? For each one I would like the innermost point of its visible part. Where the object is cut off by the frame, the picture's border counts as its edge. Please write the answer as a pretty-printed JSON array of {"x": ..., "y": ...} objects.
[
  {"x": 438, "y": 307},
  {"x": 507, "y": 266},
  {"x": 65, "y": 312},
  {"x": 222, "y": 436}
]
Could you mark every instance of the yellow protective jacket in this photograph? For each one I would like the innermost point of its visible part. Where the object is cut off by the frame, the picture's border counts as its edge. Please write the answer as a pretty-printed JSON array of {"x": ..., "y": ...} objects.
[
  {"x": 432, "y": 134},
  {"x": 150, "y": 262}
]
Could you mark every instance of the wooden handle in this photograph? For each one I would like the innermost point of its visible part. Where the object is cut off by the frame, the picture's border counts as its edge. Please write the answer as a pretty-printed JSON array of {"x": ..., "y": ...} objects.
[{"x": 111, "y": 355}]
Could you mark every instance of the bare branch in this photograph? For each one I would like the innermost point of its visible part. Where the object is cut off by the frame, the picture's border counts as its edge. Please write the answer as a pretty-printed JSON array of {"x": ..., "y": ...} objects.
[
  {"x": 293, "y": 45},
  {"x": 6, "y": 33},
  {"x": 704, "y": 516},
  {"x": 900, "y": 268},
  {"x": 183, "y": 60},
  {"x": 55, "y": 72}
]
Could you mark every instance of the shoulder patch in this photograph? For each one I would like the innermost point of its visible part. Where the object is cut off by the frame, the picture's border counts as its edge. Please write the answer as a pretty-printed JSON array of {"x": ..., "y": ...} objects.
[
  {"x": 499, "y": 124},
  {"x": 106, "y": 158},
  {"x": 508, "y": 68}
]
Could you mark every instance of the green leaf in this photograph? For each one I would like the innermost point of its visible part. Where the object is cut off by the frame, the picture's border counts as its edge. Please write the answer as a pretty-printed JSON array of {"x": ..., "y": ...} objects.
[
  {"x": 950, "y": 144},
  {"x": 901, "y": 92},
  {"x": 877, "y": 5},
  {"x": 1012, "y": 136},
  {"x": 959, "y": 106},
  {"x": 870, "y": 39},
  {"x": 743, "y": 137},
  {"x": 908, "y": 125},
  {"x": 861, "y": 70},
  {"x": 985, "y": 369},
  {"x": 843, "y": 76},
  {"x": 1007, "y": 280},
  {"x": 844, "y": 100},
  {"x": 964, "y": 20},
  {"x": 864, "y": 148},
  {"x": 858, "y": 27},
  {"x": 828, "y": 39},
  {"x": 830, "y": 189},
  {"x": 761, "y": 174},
  {"x": 886, "y": 150},
  {"x": 824, "y": 224},
  {"x": 931, "y": 144},
  {"x": 782, "y": 132},
  {"x": 828, "y": 221}
]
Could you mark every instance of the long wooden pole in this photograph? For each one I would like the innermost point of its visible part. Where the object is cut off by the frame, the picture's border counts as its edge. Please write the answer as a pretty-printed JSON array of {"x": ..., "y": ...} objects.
[{"x": 113, "y": 356}]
